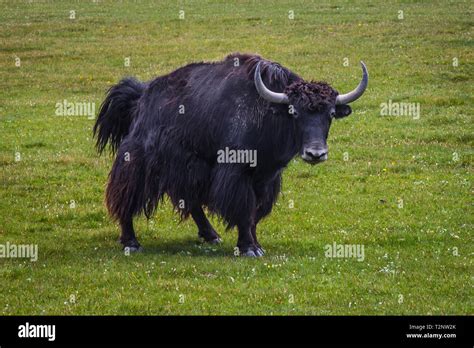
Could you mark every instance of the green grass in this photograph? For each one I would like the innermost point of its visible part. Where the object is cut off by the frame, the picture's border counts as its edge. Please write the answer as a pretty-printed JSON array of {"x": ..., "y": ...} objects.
[{"x": 409, "y": 251}]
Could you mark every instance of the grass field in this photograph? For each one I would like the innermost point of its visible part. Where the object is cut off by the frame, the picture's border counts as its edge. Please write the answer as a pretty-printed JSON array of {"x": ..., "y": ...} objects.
[{"x": 401, "y": 186}]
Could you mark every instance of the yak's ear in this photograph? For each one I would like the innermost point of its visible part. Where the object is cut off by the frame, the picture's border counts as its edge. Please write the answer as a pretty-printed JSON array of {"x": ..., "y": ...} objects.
[{"x": 342, "y": 111}]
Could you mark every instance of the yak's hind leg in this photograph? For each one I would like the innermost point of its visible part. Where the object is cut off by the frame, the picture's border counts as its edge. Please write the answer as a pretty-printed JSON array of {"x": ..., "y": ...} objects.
[
  {"x": 206, "y": 231},
  {"x": 125, "y": 192}
]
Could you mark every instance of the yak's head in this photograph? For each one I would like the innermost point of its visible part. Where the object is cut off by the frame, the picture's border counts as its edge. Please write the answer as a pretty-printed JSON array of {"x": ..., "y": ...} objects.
[{"x": 314, "y": 105}]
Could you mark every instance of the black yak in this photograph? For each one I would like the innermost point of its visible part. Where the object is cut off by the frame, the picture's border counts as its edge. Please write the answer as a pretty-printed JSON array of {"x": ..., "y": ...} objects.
[{"x": 188, "y": 134}]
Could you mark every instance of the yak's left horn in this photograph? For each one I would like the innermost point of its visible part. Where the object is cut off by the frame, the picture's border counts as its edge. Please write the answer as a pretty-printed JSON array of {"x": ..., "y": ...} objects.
[
  {"x": 265, "y": 93},
  {"x": 356, "y": 93}
]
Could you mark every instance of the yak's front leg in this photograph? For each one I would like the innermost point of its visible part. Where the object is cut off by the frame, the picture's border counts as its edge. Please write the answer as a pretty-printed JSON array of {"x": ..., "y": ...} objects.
[
  {"x": 262, "y": 211},
  {"x": 266, "y": 195},
  {"x": 206, "y": 231},
  {"x": 127, "y": 238},
  {"x": 233, "y": 197},
  {"x": 246, "y": 243},
  {"x": 246, "y": 221},
  {"x": 255, "y": 240}
]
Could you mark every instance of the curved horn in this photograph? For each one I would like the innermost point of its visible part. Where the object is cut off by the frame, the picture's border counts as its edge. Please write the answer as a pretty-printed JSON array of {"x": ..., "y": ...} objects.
[
  {"x": 356, "y": 93},
  {"x": 265, "y": 93}
]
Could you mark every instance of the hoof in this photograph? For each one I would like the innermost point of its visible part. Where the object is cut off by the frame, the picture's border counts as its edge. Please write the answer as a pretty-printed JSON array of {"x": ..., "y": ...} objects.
[
  {"x": 215, "y": 241},
  {"x": 210, "y": 237},
  {"x": 248, "y": 253},
  {"x": 132, "y": 246},
  {"x": 133, "y": 249},
  {"x": 252, "y": 252},
  {"x": 260, "y": 251}
]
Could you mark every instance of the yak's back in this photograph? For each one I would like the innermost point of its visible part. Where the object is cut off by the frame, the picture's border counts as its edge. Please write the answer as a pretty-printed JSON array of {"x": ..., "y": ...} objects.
[
  {"x": 208, "y": 81},
  {"x": 212, "y": 100}
]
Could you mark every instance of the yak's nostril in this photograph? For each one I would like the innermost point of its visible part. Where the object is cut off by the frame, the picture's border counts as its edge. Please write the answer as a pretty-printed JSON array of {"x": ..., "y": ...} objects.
[{"x": 315, "y": 153}]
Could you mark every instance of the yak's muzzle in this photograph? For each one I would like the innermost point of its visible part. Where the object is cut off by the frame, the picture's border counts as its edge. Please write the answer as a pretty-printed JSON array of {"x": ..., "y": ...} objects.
[{"x": 315, "y": 155}]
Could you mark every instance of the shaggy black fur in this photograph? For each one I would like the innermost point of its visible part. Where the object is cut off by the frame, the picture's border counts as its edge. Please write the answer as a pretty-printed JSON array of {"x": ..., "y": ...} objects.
[{"x": 162, "y": 151}]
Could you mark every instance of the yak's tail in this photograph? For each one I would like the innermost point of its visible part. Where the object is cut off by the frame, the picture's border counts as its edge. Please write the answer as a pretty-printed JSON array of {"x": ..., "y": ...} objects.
[{"x": 116, "y": 113}]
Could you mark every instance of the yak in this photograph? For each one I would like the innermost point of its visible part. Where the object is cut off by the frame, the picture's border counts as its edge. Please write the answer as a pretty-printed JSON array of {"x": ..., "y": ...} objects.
[{"x": 168, "y": 136}]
